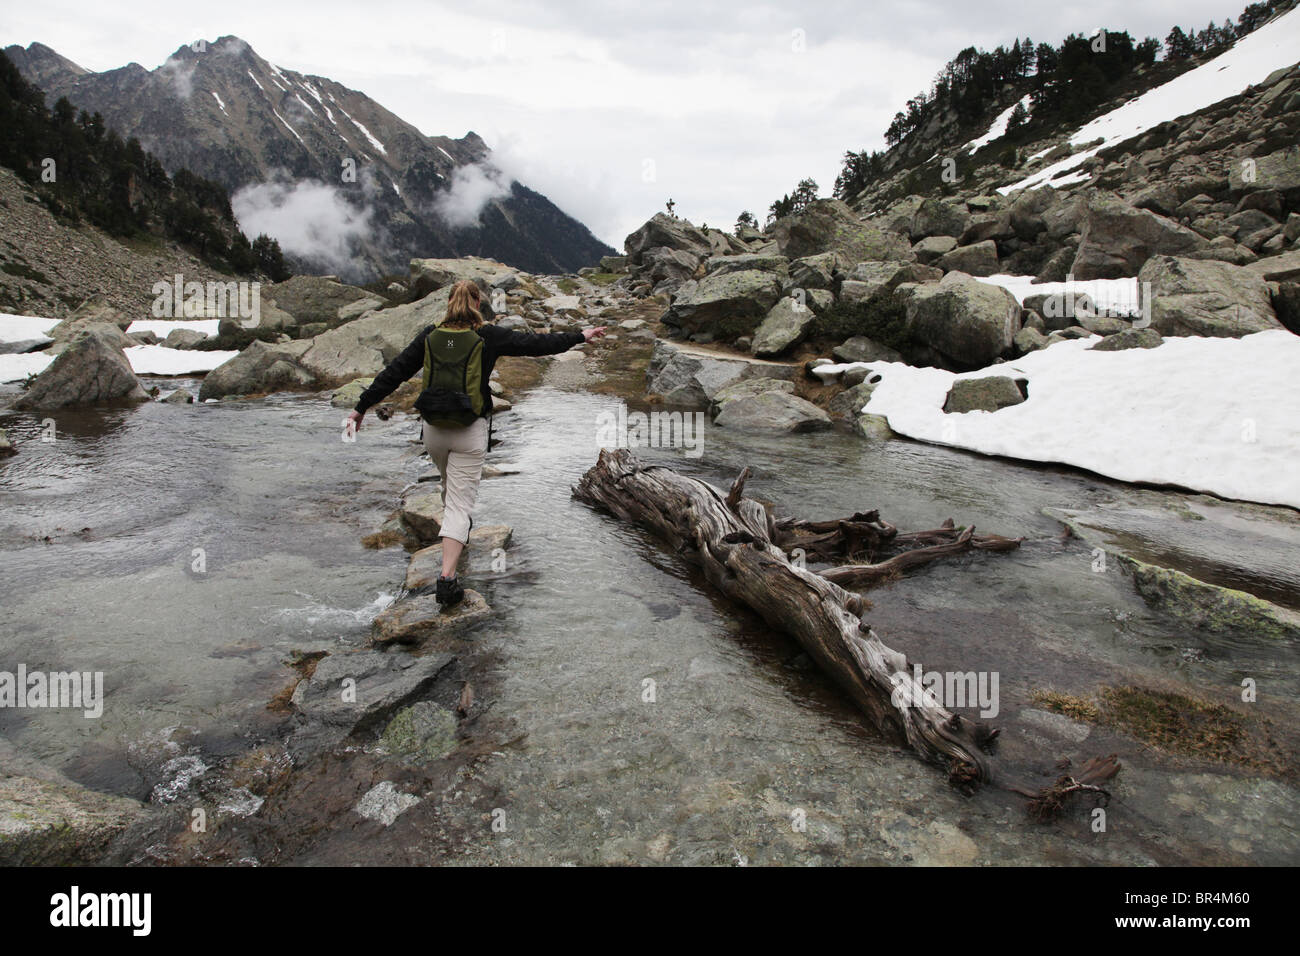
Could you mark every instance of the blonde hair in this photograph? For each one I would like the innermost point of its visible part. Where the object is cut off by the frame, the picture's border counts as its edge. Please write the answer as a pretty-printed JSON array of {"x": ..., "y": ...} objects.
[{"x": 463, "y": 306}]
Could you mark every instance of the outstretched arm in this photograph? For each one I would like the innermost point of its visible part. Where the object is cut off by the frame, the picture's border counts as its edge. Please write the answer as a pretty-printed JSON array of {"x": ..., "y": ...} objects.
[{"x": 534, "y": 343}]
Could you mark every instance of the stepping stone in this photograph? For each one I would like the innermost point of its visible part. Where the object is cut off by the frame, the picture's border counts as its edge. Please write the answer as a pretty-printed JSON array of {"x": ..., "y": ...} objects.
[
  {"x": 351, "y": 692},
  {"x": 419, "y": 618},
  {"x": 421, "y": 514},
  {"x": 426, "y": 564}
]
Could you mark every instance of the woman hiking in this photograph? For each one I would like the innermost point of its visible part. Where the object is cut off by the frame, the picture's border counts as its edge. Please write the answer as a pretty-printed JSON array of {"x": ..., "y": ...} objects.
[{"x": 457, "y": 356}]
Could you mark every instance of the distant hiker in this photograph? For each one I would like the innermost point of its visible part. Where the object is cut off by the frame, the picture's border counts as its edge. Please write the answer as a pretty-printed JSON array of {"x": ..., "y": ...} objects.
[
  {"x": 671, "y": 206},
  {"x": 457, "y": 356}
]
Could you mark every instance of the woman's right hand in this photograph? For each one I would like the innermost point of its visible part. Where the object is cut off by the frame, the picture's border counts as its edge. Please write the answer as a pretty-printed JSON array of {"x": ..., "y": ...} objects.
[
  {"x": 353, "y": 421},
  {"x": 594, "y": 333}
]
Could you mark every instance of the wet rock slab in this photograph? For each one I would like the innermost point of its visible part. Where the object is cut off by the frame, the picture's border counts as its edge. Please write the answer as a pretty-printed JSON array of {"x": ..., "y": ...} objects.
[
  {"x": 476, "y": 558},
  {"x": 352, "y": 692},
  {"x": 48, "y": 823},
  {"x": 420, "y": 618}
]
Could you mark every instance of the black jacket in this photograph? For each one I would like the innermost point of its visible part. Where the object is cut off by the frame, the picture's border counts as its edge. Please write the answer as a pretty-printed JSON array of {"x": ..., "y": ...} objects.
[{"x": 496, "y": 342}]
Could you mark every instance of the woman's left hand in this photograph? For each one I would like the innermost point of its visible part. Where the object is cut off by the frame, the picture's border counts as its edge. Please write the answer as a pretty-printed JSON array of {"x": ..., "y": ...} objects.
[{"x": 594, "y": 333}]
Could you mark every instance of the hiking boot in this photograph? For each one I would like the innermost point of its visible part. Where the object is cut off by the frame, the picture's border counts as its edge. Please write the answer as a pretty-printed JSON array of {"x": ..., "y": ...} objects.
[{"x": 449, "y": 591}]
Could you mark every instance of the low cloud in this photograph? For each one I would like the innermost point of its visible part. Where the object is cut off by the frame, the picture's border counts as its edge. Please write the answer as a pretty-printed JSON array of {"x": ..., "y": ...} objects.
[
  {"x": 181, "y": 76},
  {"x": 311, "y": 220},
  {"x": 472, "y": 188}
]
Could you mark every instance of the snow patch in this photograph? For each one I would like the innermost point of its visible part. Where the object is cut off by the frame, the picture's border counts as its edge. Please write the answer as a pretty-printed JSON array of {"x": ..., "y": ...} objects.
[
  {"x": 999, "y": 127},
  {"x": 1216, "y": 415}
]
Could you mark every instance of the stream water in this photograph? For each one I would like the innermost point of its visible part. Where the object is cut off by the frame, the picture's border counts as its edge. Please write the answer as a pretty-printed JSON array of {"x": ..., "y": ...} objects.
[{"x": 186, "y": 552}]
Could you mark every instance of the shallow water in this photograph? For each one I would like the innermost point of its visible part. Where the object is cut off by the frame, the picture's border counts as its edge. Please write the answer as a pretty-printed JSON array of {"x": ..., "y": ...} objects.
[{"x": 738, "y": 751}]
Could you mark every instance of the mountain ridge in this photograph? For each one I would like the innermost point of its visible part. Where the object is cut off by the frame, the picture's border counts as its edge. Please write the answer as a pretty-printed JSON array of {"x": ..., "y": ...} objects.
[{"x": 385, "y": 192}]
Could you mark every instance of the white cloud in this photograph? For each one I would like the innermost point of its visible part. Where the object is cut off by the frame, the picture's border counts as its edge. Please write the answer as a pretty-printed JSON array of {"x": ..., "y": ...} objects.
[
  {"x": 310, "y": 219},
  {"x": 181, "y": 76},
  {"x": 472, "y": 188}
]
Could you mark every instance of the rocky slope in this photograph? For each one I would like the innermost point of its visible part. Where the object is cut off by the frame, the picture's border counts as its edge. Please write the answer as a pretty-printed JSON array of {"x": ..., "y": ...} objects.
[{"x": 226, "y": 113}]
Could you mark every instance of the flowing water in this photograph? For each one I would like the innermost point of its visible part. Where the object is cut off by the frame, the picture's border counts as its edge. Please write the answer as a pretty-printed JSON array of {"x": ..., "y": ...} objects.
[{"x": 187, "y": 552}]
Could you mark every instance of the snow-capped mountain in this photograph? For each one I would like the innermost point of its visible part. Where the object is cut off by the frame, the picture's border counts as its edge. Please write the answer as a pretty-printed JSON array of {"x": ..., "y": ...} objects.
[{"x": 346, "y": 185}]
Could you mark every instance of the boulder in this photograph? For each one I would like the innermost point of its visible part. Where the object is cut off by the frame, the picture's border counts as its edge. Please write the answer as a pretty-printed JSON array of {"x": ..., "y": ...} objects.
[
  {"x": 430, "y": 275},
  {"x": 979, "y": 259},
  {"x": 426, "y": 564},
  {"x": 354, "y": 310},
  {"x": 859, "y": 348},
  {"x": 748, "y": 388},
  {"x": 772, "y": 410},
  {"x": 871, "y": 277},
  {"x": 1116, "y": 240},
  {"x": 1205, "y": 297},
  {"x": 1283, "y": 268},
  {"x": 727, "y": 305},
  {"x": 364, "y": 346},
  {"x": 1128, "y": 339},
  {"x": 180, "y": 396},
  {"x": 898, "y": 217},
  {"x": 347, "y": 396},
  {"x": 419, "y": 618},
  {"x": 939, "y": 217},
  {"x": 6, "y": 446},
  {"x": 847, "y": 405},
  {"x": 691, "y": 379},
  {"x": 184, "y": 339},
  {"x": 1278, "y": 171},
  {"x": 93, "y": 368},
  {"x": 814, "y": 272},
  {"x": 313, "y": 298},
  {"x": 673, "y": 265},
  {"x": 1027, "y": 214},
  {"x": 261, "y": 367},
  {"x": 1059, "y": 310},
  {"x": 829, "y": 225},
  {"x": 982, "y": 394},
  {"x": 968, "y": 322},
  {"x": 668, "y": 231},
  {"x": 786, "y": 325},
  {"x": 931, "y": 248},
  {"x": 1029, "y": 340},
  {"x": 613, "y": 263}
]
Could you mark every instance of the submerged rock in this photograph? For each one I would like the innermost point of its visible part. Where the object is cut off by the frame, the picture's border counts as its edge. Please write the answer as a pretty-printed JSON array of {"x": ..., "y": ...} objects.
[
  {"x": 384, "y": 803},
  {"x": 421, "y": 733},
  {"x": 48, "y": 823},
  {"x": 6, "y": 446},
  {"x": 351, "y": 692}
]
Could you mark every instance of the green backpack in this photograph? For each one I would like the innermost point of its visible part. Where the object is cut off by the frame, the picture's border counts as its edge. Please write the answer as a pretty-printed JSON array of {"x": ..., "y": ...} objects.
[{"x": 453, "y": 378}]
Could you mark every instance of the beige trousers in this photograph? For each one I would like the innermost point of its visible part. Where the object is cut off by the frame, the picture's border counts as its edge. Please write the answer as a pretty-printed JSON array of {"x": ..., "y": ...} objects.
[{"x": 458, "y": 453}]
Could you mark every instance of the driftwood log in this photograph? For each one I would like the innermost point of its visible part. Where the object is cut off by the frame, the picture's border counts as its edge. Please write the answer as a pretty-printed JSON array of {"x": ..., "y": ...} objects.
[{"x": 746, "y": 555}]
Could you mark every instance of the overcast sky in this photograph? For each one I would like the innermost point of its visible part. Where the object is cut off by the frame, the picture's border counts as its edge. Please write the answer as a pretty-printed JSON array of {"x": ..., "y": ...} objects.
[{"x": 611, "y": 107}]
